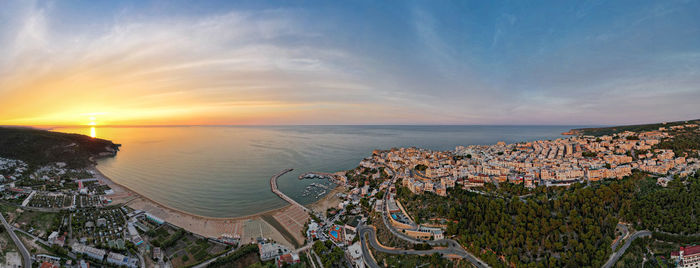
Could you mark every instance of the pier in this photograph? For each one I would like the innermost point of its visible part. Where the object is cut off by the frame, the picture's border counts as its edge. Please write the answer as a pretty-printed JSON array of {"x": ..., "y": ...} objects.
[
  {"x": 273, "y": 186},
  {"x": 317, "y": 174}
]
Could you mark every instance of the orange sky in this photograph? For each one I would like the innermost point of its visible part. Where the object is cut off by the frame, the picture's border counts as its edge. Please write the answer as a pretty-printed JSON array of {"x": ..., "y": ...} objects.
[{"x": 164, "y": 64}]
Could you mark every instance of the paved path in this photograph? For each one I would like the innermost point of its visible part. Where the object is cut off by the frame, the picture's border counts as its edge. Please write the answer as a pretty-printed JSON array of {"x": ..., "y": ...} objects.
[
  {"x": 207, "y": 262},
  {"x": 273, "y": 185},
  {"x": 616, "y": 256},
  {"x": 26, "y": 258},
  {"x": 366, "y": 254},
  {"x": 42, "y": 241},
  {"x": 302, "y": 249},
  {"x": 308, "y": 256},
  {"x": 625, "y": 232},
  {"x": 453, "y": 248}
]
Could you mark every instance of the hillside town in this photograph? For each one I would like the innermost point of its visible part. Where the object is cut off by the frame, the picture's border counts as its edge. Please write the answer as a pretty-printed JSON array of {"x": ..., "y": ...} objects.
[
  {"x": 560, "y": 162},
  {"x": 545, "y": 163},
  {"x": 66, "y": 217}
]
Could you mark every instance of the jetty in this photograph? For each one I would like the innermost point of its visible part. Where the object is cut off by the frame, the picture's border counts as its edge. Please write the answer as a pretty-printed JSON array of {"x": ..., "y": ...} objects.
[
  {"x": 317, "y": 175},
  {"x": 273, "y": 186}
]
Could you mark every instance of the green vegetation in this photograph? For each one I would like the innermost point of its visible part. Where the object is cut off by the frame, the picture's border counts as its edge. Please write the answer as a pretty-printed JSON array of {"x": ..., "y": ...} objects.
[
  {"x": 682, "y": 143},
  {"x": 589, "y": 154},
  {"x": 655, "y": 249},
  {"x": 675, "y": 209},
  {"x": 636, "y": 128},
  {"x": 571, "y": 226},
  {"x": 422, "y": 246},
  {"x": 359, "y": 175},
  {"x": 683, "y": 239},
  {"x": 231, "y": 259},
  {"x": 170, "y": 241},
  {"x": 331, "y": 256},
  {"x": 634, "y": 256},
  {"x": 45, "y": 222},
  {"x": 39, "y": 147},
  {"x": 433, "y": 261},
  {"x": 385, "y": 236}
]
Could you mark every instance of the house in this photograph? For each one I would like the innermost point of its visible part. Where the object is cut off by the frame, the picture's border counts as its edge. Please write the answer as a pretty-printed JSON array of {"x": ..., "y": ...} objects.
[
  {"x": 270, "y": 251},
  {"x": 311, "y": 232},
  {"x": 289, "y": 258},
  {"x": 355, "y": 254},
  {"x": 48, "y": 265},
  {"x": 121, "y": 260},
  {"x": 157, "y": 253},
  {"x": 663, "y": 181},
  {"x": 687, "y": 257},
  {"x": 89, "y": 251}
]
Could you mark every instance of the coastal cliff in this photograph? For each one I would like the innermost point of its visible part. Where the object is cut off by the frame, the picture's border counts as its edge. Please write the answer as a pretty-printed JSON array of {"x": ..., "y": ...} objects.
[{"x": 39, "y": 147}]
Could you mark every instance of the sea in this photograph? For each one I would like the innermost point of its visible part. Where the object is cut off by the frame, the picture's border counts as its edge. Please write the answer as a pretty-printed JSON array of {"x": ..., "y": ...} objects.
[{"x": 224, "y": 171}]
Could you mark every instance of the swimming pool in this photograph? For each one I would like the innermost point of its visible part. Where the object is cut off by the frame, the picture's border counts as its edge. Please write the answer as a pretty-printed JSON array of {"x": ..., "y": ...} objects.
[{"x": 335, "y": 232}]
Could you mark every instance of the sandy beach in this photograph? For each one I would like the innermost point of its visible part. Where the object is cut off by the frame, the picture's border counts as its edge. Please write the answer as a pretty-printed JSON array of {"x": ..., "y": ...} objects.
[
  {"x": 330, "y": 200},
  {"x": 289, "y": 218}
]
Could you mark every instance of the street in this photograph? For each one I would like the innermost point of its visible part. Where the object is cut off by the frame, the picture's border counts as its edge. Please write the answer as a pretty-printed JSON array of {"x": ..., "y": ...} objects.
[
  {"x": 453, "y": 248},
  {"x": 26, "y": 258},
  {"x": 616, "y": 256}
]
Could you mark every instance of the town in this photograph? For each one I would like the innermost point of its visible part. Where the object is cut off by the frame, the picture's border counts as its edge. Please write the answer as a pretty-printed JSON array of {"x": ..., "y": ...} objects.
[{"x": 58, "y": 216}]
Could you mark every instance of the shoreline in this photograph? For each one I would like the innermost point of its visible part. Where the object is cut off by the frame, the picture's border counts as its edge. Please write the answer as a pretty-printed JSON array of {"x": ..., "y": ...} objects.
[
  {"x": 136, "y": 195},
  {"x": 247, "y": 228}
]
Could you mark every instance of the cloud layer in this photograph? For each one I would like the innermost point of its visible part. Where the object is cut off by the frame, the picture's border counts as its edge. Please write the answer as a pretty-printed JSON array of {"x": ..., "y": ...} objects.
[{"x": 313, "y": 65}]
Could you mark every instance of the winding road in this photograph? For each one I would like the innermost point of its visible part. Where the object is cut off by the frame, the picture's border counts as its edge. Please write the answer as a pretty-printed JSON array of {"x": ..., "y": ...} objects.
[
  {"x": 616, "y": 256},
  {"x": 453, "y": 248},
  {"x": 26, "y": 258},
  {"x": 625, "y": 231}
]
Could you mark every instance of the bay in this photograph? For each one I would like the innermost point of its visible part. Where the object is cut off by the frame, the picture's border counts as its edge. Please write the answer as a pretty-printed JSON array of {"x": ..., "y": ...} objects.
[{"x": 224, "y": 171}]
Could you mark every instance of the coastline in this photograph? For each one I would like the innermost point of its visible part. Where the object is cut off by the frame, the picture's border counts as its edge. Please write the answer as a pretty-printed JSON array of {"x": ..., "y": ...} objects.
[
  {"x": 247, "y": 228},
  {"x": 135, "y": 195}
]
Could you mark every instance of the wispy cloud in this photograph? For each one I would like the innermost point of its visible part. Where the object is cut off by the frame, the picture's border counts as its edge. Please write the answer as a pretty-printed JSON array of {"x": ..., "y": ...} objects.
[{"x": 456, "y": 64}]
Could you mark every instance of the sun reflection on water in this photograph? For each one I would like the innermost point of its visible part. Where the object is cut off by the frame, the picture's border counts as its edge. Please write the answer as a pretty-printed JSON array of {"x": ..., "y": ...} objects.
[{"x": 92, "y": 132}]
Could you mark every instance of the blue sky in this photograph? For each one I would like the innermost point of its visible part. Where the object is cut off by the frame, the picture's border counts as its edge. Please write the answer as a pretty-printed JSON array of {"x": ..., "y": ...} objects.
[{"x": 353, "y": 62}]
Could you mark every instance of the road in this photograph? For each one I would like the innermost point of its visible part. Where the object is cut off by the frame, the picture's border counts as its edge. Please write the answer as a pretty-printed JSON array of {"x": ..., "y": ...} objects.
[
  {"x": 26, "y": 258},
  {"x": 207, "y": 262},
  {"x": 42, "y": 241},
  {"x": 616, "y": 256},
  {"x": 302, "y": 249},
  {"x": 453, "y": 248},
  {"x": 367, "y": 255},
  {"x": 625, "y": 232}
]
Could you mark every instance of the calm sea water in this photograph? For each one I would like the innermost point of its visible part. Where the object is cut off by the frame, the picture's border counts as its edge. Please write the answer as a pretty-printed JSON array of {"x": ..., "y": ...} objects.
[{"x": 225, "y": 171}]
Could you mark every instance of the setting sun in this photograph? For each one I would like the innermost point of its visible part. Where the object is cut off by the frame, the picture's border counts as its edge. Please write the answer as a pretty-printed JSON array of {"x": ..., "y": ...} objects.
[{"x": 446, "y": 133}]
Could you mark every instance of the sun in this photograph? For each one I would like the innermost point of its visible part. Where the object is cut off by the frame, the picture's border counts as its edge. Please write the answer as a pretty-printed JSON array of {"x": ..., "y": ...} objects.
[{"x": 92, "y": 125}]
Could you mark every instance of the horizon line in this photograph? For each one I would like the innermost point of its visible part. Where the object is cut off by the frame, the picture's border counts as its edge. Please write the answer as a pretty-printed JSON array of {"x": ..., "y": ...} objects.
[{"x": 282, "y": 125}]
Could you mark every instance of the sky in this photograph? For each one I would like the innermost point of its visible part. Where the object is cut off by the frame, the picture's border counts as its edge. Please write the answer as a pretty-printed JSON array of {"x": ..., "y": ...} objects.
[{"x": 348, "y": 62}]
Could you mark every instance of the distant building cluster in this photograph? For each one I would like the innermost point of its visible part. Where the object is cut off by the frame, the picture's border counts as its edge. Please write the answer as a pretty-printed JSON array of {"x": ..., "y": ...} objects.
[
  {"x": 550, "y": 163},
  {"x": 11, "y": 169}
]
